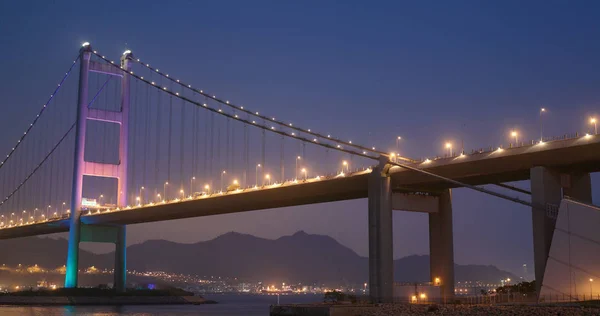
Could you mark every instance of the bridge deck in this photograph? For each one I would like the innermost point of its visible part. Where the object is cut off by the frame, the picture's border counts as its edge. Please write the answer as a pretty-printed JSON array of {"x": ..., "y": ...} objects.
[{"x": 579, "y": 155}]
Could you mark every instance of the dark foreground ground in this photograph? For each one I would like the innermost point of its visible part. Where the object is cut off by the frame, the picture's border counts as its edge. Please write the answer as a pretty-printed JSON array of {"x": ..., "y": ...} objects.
[
  {"x": 446, "y": 310},
  {"x": 481, "y": 310}
]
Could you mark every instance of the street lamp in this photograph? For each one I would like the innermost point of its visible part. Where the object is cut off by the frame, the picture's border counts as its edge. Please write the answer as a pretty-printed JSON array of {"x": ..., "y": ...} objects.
[
  {"x": 542, "y": 110},
  {"x": 158, "y": 197},
  {"x": 398, "y": 143},
  {"x": 207, "y": 188},
  {"x": 344, "y": 165},
  {"x": 516, "y": 136},
  {"x": 591, "y": 281},
  {"x": 593, "y": 121},
  {"x": 47, "y": 210},
  {"x": 99, "y": 199},
  {"x": 222, "y": 174},
  {"x": 304, "y": 172},
  {"x": 141, "y": 196},
  {"x": 257, "y": 166},
  {"x": 63, "y": 210},
  {"x": 165, "y": 190},
  {"x": 192, "y": 185},
  {"x": 296, "y": 170},
  {"x": 449, "y": 147},
  {"x": 137, "y": 198},
  {"x": 268, "y": 177},
  {"x": 182, "y": 194}
]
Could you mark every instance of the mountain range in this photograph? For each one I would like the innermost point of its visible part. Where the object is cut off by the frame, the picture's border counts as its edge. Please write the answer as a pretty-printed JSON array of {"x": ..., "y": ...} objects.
[{"x": 300, "y": 257}]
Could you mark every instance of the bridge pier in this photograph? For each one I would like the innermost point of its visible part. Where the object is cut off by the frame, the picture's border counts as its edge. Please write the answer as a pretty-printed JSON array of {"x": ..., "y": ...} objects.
[
  {"x": 381, "y": 251},
  {"x": 441, "y": 246},
  {"x": 547, "y": 189},
  {"x": 120, "y": 273}
]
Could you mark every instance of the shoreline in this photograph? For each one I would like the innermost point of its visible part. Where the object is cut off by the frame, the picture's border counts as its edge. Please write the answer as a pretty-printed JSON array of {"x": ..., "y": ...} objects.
[{"x": 106, "y": 301}]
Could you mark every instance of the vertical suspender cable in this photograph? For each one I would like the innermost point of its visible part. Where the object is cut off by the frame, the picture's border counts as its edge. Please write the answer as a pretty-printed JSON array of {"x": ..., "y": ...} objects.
[
  {"x": 169, "y": 139},
  {"x": 262, "y": 159},
  {"x": 181, "y": 143},
  {"x": 157, "y": 183},
  {"x": 146, "y": 108},
  {"x": 281, "y": 161},
  {"x": 194, "y": 139}
]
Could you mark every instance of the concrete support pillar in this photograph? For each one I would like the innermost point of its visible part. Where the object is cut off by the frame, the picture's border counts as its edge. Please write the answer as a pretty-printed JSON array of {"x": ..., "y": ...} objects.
[
  {"x": 547, "y": 188},
  {"x": 120, "y": 273},
  {"x": 441, "y": 246},
  {"x": 381, "y": 252},
  {"x": 77, "y": 188}
]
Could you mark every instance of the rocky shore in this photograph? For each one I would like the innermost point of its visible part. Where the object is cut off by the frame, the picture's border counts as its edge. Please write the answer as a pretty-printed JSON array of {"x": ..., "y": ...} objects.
[
  {"x": 480, "y": 310},
  {"x": 446, "y": 310}
]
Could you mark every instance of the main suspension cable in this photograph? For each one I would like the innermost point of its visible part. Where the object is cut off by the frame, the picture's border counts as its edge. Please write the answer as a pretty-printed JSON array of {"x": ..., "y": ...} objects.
[
  {"x": 256, "y": 114},
  {"x": 40, "y": 113}
]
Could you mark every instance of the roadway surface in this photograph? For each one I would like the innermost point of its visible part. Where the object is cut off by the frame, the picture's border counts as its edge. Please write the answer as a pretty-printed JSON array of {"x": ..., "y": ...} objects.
[{"x": 506, "y": 165}]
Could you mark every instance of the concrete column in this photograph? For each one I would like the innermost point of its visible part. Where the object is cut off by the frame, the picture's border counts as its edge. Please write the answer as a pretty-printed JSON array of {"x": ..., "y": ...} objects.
[
  {"x": 121, "y": 259},
  {"x": 441, "y": 246},
  {"x": 381, "y": 252},
  {"x": 545, "y": 189},
  {"x": 120, "y": 268},
  {"x": 124, "y": 133},
  {"x": 548, "y": 187},
  {"x": 77, "y": 188}
]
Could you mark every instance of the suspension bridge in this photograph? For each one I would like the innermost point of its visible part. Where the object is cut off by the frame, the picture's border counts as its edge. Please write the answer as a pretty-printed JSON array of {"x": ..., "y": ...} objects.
[{"x": 124, "y": 142}]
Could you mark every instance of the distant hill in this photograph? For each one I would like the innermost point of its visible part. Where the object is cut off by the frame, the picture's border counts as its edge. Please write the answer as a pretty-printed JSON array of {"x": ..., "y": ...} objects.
[{"x": 300, "y": 257}]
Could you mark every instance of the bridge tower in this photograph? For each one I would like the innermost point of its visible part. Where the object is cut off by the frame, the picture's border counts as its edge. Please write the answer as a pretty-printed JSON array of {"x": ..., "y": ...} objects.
[{"x": 79, "y": 231}]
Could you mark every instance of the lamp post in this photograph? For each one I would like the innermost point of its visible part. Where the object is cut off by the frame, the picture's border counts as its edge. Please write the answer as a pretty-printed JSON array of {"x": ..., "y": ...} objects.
[
  {"x": 99, "y": 199},
  {"x": 296, "y": 170},
  {"x": 192, "y": 185},
  {"x": 47, "y": 210},
  {"x": 304, "y": 172},
  {"x": 63, "y": 209},
  {"x": 591, "y": 281},
  {"x": 182, "y": 194},
  {"x": 165, "y": 190},
  {"x": 141, "y": 196},
  {"x": 398, "y": 143},
  {"x": 257, "y": 166},
  {"x": 138, "y": 200},
  {"x": 593, "y": 121},
  {"x": 449, "y": 147},
  {"x": 344, "y": 165},
  {"x": 158, "y": 197},
  {"x": 542, "y": 110},
  {"x": 207, "y": 188},
  {"x": 221, "y": 186},
  {"x": 268, "y": 177},
  {"x": 516, "y": 136}
]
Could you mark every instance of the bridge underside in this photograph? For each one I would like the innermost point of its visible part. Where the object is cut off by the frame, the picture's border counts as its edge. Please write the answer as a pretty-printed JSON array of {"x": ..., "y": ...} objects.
[{"x": 573, "y": 156}]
